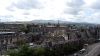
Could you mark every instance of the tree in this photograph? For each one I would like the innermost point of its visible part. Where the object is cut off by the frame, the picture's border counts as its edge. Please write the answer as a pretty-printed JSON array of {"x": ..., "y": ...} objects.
[
  {"x": 25, "y": 28},
  {"x": 22, "y": 51},
  {"x": 13, "y": 53},
  {"x": 39, "y": 51},
  {"x": 56, "y": 50},
  {"x": 25, "y": 50},
  {"x": 21, "y": 42}
]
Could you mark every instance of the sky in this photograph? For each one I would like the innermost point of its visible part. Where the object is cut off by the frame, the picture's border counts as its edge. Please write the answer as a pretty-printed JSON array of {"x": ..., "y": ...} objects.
[{"x": 66, "y": 10}]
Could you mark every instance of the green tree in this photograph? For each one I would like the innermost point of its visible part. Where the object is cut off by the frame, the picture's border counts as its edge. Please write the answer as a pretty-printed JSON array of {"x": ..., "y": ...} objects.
[
  {"x": 21, "y": 42},
  {"x": 39, "y": 51},
  {"x": 22, "y": 51},
  {"x": 25, "y": 28}
]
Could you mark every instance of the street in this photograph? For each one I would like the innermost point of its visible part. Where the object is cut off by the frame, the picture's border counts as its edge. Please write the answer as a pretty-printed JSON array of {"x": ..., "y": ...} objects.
[{"x": 93, "y": 50}]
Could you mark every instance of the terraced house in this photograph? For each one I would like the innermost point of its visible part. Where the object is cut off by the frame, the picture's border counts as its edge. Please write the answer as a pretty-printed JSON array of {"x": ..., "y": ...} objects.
[{"x": 10, "y": 27}]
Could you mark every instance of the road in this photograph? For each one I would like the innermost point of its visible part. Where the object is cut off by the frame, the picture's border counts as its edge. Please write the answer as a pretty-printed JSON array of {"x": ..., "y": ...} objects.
[{"x": 93, "y": 50}]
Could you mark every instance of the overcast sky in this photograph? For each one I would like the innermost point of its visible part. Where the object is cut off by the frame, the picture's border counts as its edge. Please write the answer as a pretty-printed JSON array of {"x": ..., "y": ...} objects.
[{"x": 69, "y": 10}]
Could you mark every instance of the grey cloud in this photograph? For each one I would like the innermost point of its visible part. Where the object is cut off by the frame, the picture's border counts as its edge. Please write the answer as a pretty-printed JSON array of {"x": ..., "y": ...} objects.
[
  {"x": 73, "y": 11},
  {"x": 95, "y": 5},
  {"x": 27, "y": 4},
  {"x": 75, "y": 3},
  {"x": 74, "y": 7},
  {"x": 26, "y": 13},
  {"x": 10, "y": 9}
]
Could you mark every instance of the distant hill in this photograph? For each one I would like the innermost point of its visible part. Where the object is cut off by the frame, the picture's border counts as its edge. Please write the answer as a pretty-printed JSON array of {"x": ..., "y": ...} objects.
[{"x": 48, "y": 21}]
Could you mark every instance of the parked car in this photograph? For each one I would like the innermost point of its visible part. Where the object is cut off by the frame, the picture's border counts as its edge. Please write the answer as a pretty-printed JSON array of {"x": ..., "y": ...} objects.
[
  {"x": 75, "y": 54},
  {"x": 82, "y": 51}
]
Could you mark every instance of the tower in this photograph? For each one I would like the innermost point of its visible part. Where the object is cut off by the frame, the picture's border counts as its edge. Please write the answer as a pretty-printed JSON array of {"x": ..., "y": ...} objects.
[{"x": 58, "y": 24}]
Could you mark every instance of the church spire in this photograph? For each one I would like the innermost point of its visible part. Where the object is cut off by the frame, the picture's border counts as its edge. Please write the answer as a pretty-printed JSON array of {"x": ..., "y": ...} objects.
[{"x": 58, "y": 24}]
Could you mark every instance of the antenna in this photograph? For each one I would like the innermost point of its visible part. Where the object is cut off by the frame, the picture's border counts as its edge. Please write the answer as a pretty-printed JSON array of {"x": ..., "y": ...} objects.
[{"x": 58, "y": 21}]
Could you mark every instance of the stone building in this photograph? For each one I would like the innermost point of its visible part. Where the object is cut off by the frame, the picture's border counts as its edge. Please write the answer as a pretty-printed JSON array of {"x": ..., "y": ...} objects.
[
  {"x": 8, "y": 40},
  {"x": 10, "y": 27},
  {"x": 54, "y": 31}
]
